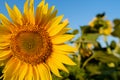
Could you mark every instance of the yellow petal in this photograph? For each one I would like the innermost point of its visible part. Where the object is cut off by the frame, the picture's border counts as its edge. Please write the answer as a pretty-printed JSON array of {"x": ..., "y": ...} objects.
[
  {"x": 17, "y": 69},
  {"x": 4, "y": 30},
  {"x": 55, "y": 29},
  {"x": 55, "y": 25},
  {"x": 51, "y": 19},
  {"x": 5, "y": 38},
  {"x": 61, "y": 38},
  {"x": 58, "y": 64},
  {"x": 18, "y": 14},
  {"x": 29, "y": 75},
  {"x": 44, "y": 72},
  {"x": 53, "y": 68},
  {"x": 26, "y": 7},
  {"x": 63, "y": 31},
  {"x": 4, "y": 44},
  {"x": 38, "y": 17},
  {"x": 47, "y": 20},
  {"x": 7, "y": 23},
  {"x": 23, "y": 70},
  {"x": 41, "y": 3},
  {"x": 64, "y": 47},
  {"x": 10, "y": 62},
  {"x": 26, "y": 12},
  {"x": 32, "y": 6},
  {"x": 36, "y": 74},
  {"x": 31, "y": 17},
  {"x": 53, "y": 14},
  {"x": 56, "y": 21},
  {"x": 31, "y": 12},
  {"x": 62, "y": 52},
  {"x": 28, "y": 17},
  {"x": 50, "y": 10},
  {"x": 50, "y": 76},
  {"x": 63, "y": 59},
  {"x": 11, "y": 12},
  {"x": 5, "y": 54},
  {"x": 41, "y": 14},
  {"x": 13, "y": 15},
  {"x": 45, "y": 10},
  {"x": 18, "y": 65},
  {"x": 48, "y": 15},
  {"x": 45, "y": 16},
  {"x": 9, "y": 69},
  {"x": 5, "y": 41}
]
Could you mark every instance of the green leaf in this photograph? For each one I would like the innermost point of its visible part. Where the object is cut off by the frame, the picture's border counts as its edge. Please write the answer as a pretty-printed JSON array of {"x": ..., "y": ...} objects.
[
  {"x": 76, "y": 31},
  {"x": 116, "y": 31},
  {"x": 90, "y": 37},
  {"x": 93, "y": 69},
  {"x": 88, "y": 29},
  {"x": 113, "y": 45},
  {"x": 116, "y": 22},
  {"x": 105, "y": 57}
]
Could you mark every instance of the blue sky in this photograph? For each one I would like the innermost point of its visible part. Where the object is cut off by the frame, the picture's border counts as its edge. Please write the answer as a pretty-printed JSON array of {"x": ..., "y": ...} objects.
[{"x": 79, "y": 12}]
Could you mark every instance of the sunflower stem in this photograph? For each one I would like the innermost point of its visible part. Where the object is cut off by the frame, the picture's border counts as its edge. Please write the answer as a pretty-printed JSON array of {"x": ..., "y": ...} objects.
[{"x": 85, "y": 63}]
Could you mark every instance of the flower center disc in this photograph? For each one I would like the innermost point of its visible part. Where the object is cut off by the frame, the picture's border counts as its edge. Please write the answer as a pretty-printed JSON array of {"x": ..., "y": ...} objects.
[
  {"x": 31, "y": 46},
  {"x": 29, "y": 42}
]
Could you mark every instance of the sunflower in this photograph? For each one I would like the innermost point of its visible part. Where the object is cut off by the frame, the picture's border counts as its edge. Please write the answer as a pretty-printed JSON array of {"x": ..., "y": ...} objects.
[
  {"x": 107, "y": 30},
  {"x": 103, "y": 26},
  {"x": 32, "y": 45}
]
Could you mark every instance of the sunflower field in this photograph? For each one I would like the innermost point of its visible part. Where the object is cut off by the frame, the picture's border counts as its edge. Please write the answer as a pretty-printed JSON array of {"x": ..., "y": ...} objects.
[{"x": 40, "y": 45}]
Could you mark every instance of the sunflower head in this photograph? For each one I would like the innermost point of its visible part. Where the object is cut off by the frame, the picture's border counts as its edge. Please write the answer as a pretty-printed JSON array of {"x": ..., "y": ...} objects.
[
  {"x": 106, "y": 29},
  {"x": 34, "y": 43},
  {"x": 102, "y": 25}
]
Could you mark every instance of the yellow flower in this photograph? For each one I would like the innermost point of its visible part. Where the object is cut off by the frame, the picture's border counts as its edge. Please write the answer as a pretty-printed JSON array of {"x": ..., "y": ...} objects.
[
  {"x": 111, "y": 65},
  {"x": 33, "y": 45},
  {"x": 107, "y": 30},
  {"x": 92, "y": 22},
  {"x": 90, "y": 45}
]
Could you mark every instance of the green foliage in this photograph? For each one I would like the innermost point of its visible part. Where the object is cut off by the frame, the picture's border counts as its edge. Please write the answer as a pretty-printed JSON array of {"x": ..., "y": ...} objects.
[
  {"x": 75, "y": 32},
  {"x": 116, "y": 31},
  {"x": 90, "y": 37},
  {"x": 104, "y": 57}
]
